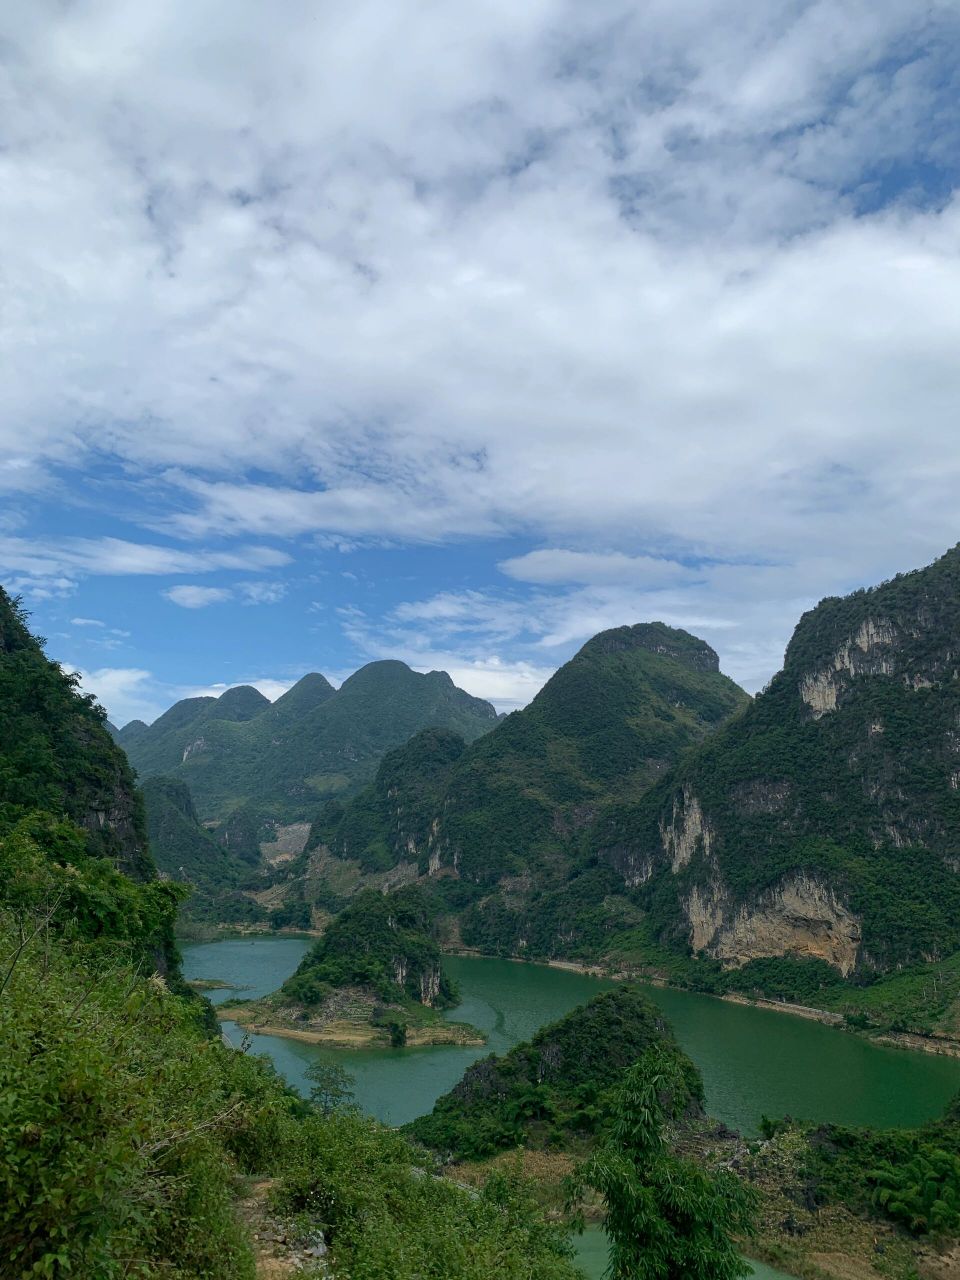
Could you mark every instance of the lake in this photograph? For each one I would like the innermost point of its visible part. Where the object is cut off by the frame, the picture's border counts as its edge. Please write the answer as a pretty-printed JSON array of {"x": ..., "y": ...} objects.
[{"x": 754, "y": 1062}]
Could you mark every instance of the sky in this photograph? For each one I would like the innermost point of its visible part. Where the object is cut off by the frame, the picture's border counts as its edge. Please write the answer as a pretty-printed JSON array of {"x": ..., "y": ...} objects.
[{"x": 457, "y": 333}]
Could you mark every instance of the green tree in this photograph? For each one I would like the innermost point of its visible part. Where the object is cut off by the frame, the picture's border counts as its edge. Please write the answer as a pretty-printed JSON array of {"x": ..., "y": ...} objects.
[
  {"x": 666, "y": 1218},
  {"x": 331, "y": 1087}
]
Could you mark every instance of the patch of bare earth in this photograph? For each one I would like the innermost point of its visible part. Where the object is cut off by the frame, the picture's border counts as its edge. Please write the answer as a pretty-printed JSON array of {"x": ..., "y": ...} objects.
[{"x": 281, "y": 1249}]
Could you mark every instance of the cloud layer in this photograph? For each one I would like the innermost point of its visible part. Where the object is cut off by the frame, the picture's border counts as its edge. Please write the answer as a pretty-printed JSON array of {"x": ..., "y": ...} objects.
[{"x": 665, "y": 293}]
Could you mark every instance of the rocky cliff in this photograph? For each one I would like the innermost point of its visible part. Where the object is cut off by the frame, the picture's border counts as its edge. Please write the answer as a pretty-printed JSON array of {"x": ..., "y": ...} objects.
[{"x": 825, "y": 821}]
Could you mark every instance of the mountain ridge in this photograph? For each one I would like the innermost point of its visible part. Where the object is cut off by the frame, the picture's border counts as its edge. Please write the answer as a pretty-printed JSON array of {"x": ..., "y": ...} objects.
[{"x": 281, "y": 758}]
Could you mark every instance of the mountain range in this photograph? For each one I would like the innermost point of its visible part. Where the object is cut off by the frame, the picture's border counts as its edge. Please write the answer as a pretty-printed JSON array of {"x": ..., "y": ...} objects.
[
  {"x": 644, "y": 809},
  {"x": 281, "y": 759}
]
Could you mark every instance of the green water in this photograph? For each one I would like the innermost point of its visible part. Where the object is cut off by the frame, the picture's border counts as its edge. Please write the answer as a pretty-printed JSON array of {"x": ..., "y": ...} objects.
[
  {"x": 591, "y": 1250},
  {"x": 754, "y": 1061}
]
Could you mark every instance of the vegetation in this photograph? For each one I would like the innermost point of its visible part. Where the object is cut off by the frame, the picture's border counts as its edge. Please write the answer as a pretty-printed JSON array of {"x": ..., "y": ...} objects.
[
  {"x": 127, "y": 1128},
  {"x": 666, "y": 1217},
  {"x": 188, "y": 854},
  {"x": 551, "y": 1089},
  {"x": 508, "y": 812},
  {"x": 282, "y": 759},
  {"x": 389, "y": 1220},
  {"x": 381, "y": 941},
  {"x": 863, "y": 797},
  {"x": 56, "y": 754}
]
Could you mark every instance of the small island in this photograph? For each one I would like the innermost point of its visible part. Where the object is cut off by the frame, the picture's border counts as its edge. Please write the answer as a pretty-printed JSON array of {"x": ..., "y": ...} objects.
[{"x": 374, "y": 980}]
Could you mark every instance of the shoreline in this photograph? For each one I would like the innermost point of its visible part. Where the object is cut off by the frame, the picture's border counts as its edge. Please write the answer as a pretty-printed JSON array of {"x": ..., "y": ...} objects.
[
  {"x": 353, "y": 1035},
  {"x": 912, "y": 1041}
]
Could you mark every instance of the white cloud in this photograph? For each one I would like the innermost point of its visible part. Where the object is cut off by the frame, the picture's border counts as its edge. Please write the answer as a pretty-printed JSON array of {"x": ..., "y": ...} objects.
[
  {"x": 44, "y": 559},
  {"x": 192, "y": 597},
  {"x": 629, "y": 282},
  {"x": 261, "y": 592},
  {"x": 559, "y": 566},
  {"x": 195, "y": 597},
  {"x": 125, "y": 693},
  {"x": 86, "y": 622}
]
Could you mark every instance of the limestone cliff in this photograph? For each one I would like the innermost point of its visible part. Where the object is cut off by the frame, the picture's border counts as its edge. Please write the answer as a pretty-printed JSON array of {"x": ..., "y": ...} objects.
[{"x": 825, "y": 821}]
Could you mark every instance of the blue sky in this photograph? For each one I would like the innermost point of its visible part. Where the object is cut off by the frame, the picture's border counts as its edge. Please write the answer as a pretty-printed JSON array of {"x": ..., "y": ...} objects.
[{"x": 459, "y": 333}]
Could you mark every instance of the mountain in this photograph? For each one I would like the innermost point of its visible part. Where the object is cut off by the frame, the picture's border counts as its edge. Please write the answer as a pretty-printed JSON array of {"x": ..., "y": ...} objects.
[
  {"x": 822, "y": 824},
  {"x": 57, "y": 756},
  {"x": 186, "y": 852},
  {"x": 164, "y": 745},
  {"x": 499, "y": 824},
  {"x": 282, "y": 759}
]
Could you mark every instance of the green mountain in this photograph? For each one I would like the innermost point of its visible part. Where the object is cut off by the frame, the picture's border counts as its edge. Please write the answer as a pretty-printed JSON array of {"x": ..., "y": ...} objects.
[
  {"x": 549, "y": 1091},
  {"x": 315, "y": 741},
  {"x": 823, "y": 823},
  {"x": 382, "y": 941},
  {"x": 374, "y": 977},
  {"x": 499, "y": 824},
  {"x": 187, "y": 853},
  {"x": 57, "y": 756}
]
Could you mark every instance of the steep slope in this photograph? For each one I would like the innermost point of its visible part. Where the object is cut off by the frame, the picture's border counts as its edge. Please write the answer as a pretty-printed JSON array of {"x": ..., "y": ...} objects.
[
  {"x": 823, "y": 823},
  {"x": 187, "y": 853},
  {"x": 174, "y": 736},
  {"x": 313, "y": 742},
  {"x": 57, "y": 756},
  {"x": 500, "y": 824},
  {"x": 547, "y": 1091}
]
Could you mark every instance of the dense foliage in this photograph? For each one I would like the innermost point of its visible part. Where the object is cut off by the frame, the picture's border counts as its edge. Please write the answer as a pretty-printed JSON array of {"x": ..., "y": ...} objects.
[
  {"x": 56, "y": 754},
  {"x": 508, "y": 813},
  {"x": 313, "y": 742},
  {"x": 863, "y": 797},
  {"x": 909, "y": 1177},
  {"x": 120, "y": 1123},
  {"x": 667, "y": 1218},
  {"x": 392, "y": 816},
  {"x": 385, "y": 942},
  {"x": 190, "y": 855},
  {"x": 389, "y": 1220},
  {"x": 552, "y": 1088}
]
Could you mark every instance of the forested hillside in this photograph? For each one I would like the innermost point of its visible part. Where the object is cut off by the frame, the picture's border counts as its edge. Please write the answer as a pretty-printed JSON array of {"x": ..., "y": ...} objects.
[
  {"x": 282, "y": 759},
  {"x": 550, "y": 1091},
  {"x": 132, "y": 1141},
  {"x": 498, "y": 826},
  {"x": 823, "y": 823}
]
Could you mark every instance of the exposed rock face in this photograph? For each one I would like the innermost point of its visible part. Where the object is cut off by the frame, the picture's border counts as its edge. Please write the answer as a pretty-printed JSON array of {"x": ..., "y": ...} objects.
[
  {"x": 824, "y": 820},
  {"x": 430, "y": 984},
  {"x": 802, "y": 916},
  {"x": 870, "y": 651},
  {"x": 635, "y": 867},
  {"x": 761, "y": 796},
  {"x": 686, "y": 832}
]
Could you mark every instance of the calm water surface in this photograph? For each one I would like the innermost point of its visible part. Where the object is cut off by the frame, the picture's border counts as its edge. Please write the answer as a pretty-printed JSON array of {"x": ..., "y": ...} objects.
[{"x": 754, "y": 1062}]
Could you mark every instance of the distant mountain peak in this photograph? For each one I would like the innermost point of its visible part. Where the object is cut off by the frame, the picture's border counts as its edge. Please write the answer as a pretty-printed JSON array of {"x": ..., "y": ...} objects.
[{"x": 241, "y": 702}]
